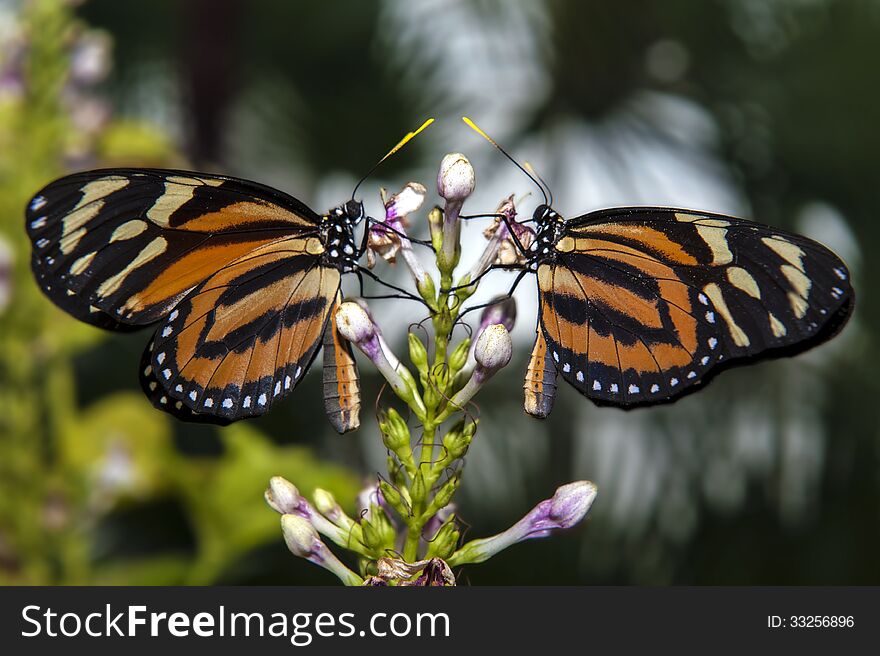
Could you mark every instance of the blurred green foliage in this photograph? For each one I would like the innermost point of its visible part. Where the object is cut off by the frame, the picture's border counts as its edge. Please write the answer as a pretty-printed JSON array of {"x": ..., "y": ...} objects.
[{"x": 66, "y": 468}]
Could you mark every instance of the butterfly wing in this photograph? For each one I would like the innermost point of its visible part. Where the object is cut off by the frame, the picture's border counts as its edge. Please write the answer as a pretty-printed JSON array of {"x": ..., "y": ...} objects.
[
  {"x": 243, "y": 338},
  {"x": 643, "y": 304},
  {"x": 120, "y": 247}
]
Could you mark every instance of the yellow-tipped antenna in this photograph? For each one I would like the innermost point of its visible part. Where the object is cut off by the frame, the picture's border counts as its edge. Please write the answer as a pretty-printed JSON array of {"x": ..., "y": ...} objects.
[
  {"x": 473, "y": 126},
  {"x": 400, "y": 144}
]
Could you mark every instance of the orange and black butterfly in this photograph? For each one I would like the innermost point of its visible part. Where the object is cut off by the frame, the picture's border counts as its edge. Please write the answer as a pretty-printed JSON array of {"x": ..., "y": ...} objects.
[
  {"x": 641, "y": 305},
  {"x": 242, "y": 280}
]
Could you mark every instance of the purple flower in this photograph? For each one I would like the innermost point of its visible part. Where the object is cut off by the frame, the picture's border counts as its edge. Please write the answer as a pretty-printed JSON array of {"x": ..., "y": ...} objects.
[
  {"x": 283, "y": 497},
  {"x": 355, "y": 324},
  {"x": 388, "y": 238},
  {"x": 492, "y": 352},
  {"x": 568, "y": 506},
  {"x": 455, "y": 182},
  {"x": 303, "y": 541}
]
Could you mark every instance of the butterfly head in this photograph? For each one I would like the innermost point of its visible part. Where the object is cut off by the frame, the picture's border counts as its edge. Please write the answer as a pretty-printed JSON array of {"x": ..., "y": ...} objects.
[
  {"x": 337, "y": 233},
  {"x": 353, "y": 210},
  {"x": 549, "y": 225}
]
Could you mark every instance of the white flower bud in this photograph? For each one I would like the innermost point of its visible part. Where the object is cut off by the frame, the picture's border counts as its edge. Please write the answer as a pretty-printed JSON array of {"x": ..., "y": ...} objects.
[
  {"x": 571, "y": 502},
  {"x": 282, "y": 495},
  {"x": 299, "y": 534},
  {"x": 303, "y": 541},
  {"x": 494, "y": 347},
  {"x": 353, "y": 323},
  {"x": 456, "y": 179}
]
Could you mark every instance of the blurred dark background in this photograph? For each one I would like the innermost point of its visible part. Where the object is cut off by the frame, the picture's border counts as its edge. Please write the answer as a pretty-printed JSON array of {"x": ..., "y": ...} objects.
[{"x": 766, "y": 110}]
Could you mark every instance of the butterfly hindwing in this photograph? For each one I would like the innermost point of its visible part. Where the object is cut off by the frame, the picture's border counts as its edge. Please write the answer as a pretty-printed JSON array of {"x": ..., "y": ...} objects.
[
  {"x": 130, "y": 243},
  {"x": 640, "y": 305},
  {"x": 244, "y": 337}
]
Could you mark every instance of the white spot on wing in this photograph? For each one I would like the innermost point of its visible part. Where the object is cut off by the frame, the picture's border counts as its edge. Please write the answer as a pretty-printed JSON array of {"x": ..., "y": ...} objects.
[{"x": 597, "y": 386}]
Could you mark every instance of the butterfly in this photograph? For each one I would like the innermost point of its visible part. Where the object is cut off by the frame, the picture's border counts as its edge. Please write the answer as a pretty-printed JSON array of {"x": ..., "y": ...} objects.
[
  {"x": 242, "y": 280},
  {"x": 641, "y": 305}
]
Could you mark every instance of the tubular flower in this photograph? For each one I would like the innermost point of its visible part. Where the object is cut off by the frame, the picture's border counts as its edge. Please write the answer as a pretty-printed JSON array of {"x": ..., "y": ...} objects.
[
  {"x": 389, "y": 238},
  {"x": 355, "y": 324},
  {"x": 492, "y": 352},
  {"x": 455, "y": 182},
  {"x": 568, "y": 506},
  {"x": 303, "y": 541}
]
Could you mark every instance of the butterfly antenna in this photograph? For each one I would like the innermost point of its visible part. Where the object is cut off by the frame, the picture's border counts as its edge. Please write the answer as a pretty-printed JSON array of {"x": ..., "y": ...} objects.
[
  {"x": 473, "y": 126},
  {"x": 400, "y": 144},
  {"x": 532, "y": 170}
]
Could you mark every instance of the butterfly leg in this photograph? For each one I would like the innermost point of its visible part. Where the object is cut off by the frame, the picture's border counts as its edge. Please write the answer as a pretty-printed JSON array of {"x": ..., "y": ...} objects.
[
  {"x": 360, "y": 271},
  {"x": 509, "y": 293},
  {"x": 503, "y": 267}
]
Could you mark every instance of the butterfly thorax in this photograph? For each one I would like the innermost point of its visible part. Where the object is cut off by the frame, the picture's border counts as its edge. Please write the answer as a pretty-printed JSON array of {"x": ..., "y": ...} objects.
[
  {"x": 337, "y": 234},
  {"x": 550, "y": 226}
]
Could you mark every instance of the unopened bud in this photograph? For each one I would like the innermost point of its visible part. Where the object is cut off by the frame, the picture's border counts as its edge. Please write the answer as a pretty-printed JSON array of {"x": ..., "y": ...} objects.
[
  {"x": 282, "y": 495},
  {"x": 299, "y": 534},
  {"x": 456, "y": 178},
  {"x": 494, "y": 347}
]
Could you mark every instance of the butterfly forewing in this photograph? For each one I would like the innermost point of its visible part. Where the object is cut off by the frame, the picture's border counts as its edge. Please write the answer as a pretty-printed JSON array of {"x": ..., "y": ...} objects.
[
  {"x": 639, "y": 305},
  {"x": 131, "y": 243}
]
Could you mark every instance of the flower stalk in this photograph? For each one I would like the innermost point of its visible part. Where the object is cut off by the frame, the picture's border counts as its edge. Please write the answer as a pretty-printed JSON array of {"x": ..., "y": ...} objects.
[{"x": 407, "y": 529}]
